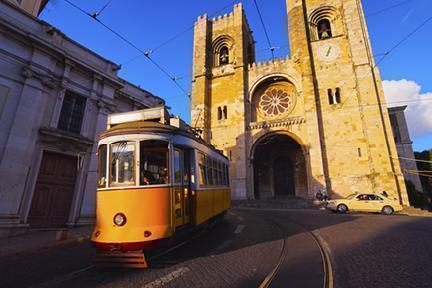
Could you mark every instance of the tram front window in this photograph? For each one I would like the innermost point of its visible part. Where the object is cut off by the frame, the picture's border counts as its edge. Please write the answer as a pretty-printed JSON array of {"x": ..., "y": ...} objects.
[
  {"x": 123, "y": 164},
  {"x": 154, "y": 162},
  {"x": 102, "y": 156}
]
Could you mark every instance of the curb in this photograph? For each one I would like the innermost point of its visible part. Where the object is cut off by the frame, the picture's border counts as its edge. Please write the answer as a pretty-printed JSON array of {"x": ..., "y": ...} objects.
[
  {"x": 414, "y": 215},
  {"x": 321, "y": 210}
]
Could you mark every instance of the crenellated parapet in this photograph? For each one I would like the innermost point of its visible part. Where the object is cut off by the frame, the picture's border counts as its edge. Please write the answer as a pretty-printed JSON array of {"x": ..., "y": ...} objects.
[
  {"x": 276, "y": 61},
  {"x": 283, "y": 66},
  {"x": 202, "y": 17},
  {"x": 226, "y": 19}
]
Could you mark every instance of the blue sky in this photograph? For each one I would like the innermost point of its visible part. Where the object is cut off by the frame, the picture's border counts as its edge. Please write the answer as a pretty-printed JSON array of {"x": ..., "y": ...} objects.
[{"x": 150, "y": 23}]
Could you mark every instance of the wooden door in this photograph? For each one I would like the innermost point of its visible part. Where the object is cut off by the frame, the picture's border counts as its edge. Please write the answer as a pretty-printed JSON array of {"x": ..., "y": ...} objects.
[
  {"x": 54, "y": 191},
  {"x": 283, "y": 176}
]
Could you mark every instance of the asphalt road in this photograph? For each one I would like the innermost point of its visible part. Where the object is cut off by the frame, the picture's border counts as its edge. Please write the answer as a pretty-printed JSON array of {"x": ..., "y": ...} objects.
[{"x": 249, "y": 248}]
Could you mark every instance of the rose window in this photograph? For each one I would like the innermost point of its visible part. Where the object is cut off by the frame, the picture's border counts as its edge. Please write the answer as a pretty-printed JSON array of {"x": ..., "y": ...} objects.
[{"x": 275, "y": 102}]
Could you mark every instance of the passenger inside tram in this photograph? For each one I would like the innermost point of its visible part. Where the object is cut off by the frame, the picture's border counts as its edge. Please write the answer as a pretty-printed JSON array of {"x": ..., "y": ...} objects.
[
  {"x": 147, "y": 177},
  {"x": 153, "y": 162}
]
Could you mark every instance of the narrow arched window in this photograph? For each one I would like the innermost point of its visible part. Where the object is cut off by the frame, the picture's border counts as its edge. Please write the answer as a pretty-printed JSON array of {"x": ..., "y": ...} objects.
[
  {"x": 223, "y": 55},
  {"x": 338, "y": 96},
  {"x": 324, "y": 29},
  {"x": 330, "y": 96}
]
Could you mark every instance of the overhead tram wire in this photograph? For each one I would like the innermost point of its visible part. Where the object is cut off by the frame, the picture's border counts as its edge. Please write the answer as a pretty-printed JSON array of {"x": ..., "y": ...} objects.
[
  {"x": 96, "y": 14},
  {"x": 416, "y": 173},
  {"x": 271, "y": 48},
  {"x": 388, "y": 8},
  {"x": 411, "y": 159},
  {"x": 386, "y": 104},
  {"x": 287, "y": 45},
  {"x": 190, "y": 28},
  {"x": 404, "y": 39},
  {"x": 386, "y": 54},
  {"x": 178, "y": 35},
  {"x": 145, "y": 53},
  {"x": 265, "y": 29},
  {"x": 222, "y": 9},
  {"x": 422, "y": 171}
]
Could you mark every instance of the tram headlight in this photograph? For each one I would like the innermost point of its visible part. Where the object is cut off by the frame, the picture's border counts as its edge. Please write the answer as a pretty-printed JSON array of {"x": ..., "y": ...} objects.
[{"x": 119, "y": 219}]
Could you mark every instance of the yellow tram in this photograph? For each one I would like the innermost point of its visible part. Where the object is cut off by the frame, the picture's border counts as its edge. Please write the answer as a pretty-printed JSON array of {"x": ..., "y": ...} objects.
[{"x": 155, "y": 176}]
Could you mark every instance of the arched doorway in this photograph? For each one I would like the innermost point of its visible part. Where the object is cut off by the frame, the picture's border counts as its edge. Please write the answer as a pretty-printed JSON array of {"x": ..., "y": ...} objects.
[{"x": 279, "y": 167}]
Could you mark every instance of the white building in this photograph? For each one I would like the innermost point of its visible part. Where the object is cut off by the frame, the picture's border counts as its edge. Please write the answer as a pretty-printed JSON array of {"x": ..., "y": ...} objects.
[
  {"x": 33, "y": 7},
  {"x": 55, "y": 95}
]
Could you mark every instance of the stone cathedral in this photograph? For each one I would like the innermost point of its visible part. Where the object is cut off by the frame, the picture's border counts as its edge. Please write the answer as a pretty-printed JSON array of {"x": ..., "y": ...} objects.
[{"x": 314, "y": 120}]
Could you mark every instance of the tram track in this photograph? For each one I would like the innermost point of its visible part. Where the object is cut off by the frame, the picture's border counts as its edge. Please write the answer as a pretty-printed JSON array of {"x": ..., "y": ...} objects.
[
  {"x": 56, "y": 281},
  {"x": 269, "y": 278},
  {"x": 108, "y": 273},
  {"x": 319, "y": 242},
  {"x": 284, "y": 229}
]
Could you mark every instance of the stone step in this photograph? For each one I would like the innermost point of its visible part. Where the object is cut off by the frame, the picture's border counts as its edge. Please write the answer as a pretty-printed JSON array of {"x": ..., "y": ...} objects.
[
  {"x": 289, "y": 203},
  {"x": 416, "y": 211}
]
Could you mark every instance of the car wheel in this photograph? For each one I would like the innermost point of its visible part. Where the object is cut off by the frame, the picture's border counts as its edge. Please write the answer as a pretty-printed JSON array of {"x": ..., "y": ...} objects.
[
  {"x": 342, "y": 208},
  {"x": 387, "y": 210}
]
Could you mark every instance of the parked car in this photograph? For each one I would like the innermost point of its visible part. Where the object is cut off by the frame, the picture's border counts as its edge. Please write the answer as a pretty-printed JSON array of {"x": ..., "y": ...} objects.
[{"x": 370, "y": 202}]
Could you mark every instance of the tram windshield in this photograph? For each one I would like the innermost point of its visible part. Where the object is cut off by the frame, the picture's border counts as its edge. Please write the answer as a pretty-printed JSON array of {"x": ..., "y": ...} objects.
[
  {"x": 122, "y": 164},
  {"x": 154, "y": 162}
]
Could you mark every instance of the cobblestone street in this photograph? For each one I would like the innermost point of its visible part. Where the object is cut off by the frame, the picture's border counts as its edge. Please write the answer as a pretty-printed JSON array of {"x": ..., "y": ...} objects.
[{"x": 365, "y": 250}]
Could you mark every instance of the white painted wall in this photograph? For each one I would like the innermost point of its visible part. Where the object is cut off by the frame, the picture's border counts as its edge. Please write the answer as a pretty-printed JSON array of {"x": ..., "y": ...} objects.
[{"x": 37, "y": 65}]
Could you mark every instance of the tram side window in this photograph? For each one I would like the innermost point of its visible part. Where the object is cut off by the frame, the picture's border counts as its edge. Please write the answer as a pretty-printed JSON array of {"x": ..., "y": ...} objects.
[
  {"x": 216, "y": 167},
  {"x": 227, "y": 175},
  {"x": 123, "y": 164},
  {"x": 154, "y": 162},
  {"x": 212, "y": 172},
  {"x": 209, "y": 169},
  {"x": 186, "y": 168},
  {"x": 102, "y": 173},
  {"x": 177, "y": 173},
  {"x": 215, "y": 172},
  {"x": 202, "y": 170},
  {"x": 221, "y": 174}
]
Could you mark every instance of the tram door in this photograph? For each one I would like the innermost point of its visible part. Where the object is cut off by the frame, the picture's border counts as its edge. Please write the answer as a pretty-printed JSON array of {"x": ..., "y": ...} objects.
[{"x": 181, "y": 187}]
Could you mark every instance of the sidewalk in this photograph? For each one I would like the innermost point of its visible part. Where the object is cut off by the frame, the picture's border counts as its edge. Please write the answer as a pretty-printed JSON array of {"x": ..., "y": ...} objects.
[
  {"x": 43, "y": 238},
  {"x": 299, "y": 203},
  {"x": 414, "y": 211}
]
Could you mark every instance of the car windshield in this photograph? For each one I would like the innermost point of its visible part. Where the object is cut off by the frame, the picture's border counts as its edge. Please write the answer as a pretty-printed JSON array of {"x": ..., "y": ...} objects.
[{"x": 349, "y": 197}]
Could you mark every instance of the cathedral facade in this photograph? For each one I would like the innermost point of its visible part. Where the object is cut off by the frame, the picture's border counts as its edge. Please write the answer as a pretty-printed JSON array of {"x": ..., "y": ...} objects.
[{"x": 316, "y": 120}]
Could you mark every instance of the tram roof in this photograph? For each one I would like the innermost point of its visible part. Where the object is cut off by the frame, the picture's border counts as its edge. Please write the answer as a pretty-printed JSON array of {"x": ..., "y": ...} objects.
[{"x": 142, "y": 127}]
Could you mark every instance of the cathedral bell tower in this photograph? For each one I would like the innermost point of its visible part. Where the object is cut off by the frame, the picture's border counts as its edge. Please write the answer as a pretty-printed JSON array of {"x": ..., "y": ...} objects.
[
  {"x": 223, "y": 49},
  {"x": 331, "y": 41}
]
